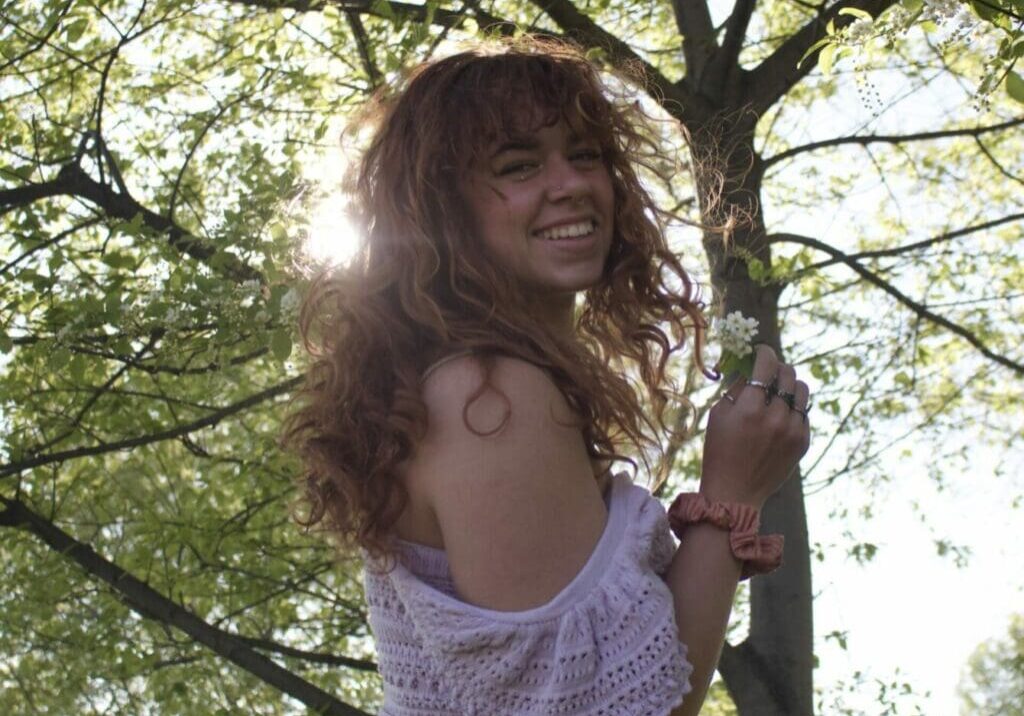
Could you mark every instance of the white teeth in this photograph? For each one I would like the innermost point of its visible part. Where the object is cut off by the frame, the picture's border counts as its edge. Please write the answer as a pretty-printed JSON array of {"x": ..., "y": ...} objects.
[{"x": 567, "y": 232}]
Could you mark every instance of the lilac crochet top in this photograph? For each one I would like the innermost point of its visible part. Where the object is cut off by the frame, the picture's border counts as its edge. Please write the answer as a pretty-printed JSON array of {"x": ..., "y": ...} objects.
[{"x": 606, "y": 645}]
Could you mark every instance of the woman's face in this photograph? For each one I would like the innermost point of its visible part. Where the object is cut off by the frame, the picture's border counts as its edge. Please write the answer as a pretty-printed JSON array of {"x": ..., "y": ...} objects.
[{"x": 543, "y": 205}]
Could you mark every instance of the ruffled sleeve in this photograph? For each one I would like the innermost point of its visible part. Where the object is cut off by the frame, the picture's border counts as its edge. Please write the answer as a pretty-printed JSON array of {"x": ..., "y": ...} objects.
[{"x": 607, "y": 644}]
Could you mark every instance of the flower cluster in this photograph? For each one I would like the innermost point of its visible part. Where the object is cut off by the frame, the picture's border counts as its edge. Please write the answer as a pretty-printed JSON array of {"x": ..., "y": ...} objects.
[
  {"x": 736, "y": 333},
  {"x": 940, "y": 11},
  {"x": 290, "y": 302},
  {"x": 859, "y": 30}
]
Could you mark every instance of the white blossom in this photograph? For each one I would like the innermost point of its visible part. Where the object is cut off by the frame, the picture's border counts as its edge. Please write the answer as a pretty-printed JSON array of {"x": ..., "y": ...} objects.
[
  {"x": 859, "y": 30},
  {"x": 736, "y": 333},
  {"x": 964, "y": 18},
  {"x": 251, "y": 287},
  {"x": 941, "y": 8},
  {"x": 290, "y": 301}
]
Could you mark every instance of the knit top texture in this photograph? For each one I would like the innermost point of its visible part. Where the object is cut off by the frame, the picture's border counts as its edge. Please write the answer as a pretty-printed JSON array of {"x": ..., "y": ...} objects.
[{"x": 606, "y": 645}]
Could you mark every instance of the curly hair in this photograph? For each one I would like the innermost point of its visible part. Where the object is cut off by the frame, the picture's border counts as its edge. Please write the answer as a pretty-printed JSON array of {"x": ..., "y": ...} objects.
[{"x": 420, "y": 285}]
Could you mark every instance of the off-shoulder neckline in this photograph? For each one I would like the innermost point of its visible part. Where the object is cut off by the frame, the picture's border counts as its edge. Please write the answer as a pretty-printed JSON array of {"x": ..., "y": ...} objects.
[{"x": 434, "y": 561}]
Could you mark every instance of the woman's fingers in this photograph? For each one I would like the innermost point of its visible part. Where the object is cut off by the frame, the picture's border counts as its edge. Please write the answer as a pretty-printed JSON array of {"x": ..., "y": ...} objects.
[
  {"x": 772, "y": 385},
  {"x": 803, "y": 395},
  {"x": 760, "y": 385},
  {"x": 785, "y": 385},
  {"x": 800, "y": 404}
]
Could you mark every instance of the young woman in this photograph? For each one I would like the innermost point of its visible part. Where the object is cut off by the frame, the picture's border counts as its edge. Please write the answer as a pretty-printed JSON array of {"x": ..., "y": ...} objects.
[{"x": 462, "y": 412}]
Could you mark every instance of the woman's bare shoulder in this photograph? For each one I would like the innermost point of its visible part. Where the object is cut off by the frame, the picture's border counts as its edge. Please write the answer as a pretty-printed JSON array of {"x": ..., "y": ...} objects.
[{"x": 521, "y": 477}]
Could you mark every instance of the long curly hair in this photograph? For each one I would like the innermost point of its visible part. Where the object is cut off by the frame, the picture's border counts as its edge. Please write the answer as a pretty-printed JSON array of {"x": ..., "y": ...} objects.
[{"x": 421, "y": 285}]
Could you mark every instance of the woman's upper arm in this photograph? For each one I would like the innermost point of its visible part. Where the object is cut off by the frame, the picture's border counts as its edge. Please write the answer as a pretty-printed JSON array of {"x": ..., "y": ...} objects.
[{"x": 518, "y": 509}]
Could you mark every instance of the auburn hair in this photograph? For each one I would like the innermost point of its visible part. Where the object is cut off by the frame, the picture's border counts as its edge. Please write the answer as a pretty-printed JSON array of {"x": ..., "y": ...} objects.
[{"x": 420, "y": 285}]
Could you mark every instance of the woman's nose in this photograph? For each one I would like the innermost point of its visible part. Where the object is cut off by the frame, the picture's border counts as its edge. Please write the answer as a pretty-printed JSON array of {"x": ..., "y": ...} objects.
[{"x": 566, "y": 180}]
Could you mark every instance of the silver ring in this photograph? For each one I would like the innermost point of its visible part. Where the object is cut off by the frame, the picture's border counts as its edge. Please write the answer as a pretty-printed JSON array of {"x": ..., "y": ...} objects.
[
  {"x": 729, "y": 397},
  {"x": 768, "y": 388}
]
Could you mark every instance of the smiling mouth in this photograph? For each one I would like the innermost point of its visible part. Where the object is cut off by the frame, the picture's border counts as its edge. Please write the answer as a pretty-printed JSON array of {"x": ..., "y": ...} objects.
[{"x": 580, "y": 230}]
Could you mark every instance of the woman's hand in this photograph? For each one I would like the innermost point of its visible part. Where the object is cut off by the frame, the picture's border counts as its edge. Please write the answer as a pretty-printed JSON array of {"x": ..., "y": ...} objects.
[{"x": 751, "y": 448}]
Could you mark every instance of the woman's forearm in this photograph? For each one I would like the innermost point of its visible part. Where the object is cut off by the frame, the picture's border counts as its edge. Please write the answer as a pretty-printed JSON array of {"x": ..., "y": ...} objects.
[{"x": 702, "y": 577}]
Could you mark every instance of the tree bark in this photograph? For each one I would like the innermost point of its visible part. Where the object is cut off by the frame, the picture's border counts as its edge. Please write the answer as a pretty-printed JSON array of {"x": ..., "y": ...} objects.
[{"x": 771, "y": 672}]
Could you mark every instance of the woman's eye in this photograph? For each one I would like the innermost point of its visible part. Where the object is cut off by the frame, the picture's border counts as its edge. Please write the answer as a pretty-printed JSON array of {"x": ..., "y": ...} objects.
[
  {"x": 516, "y": 168},
  {"x": 590, "y": 155}
]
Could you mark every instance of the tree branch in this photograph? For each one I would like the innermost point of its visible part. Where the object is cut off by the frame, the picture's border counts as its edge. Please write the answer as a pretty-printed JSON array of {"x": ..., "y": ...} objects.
[
  {"x": 42, "y": 40},
  {"x": 155, "y": 369},
  {"x": 363, "y": 43},
  {"x": 171, "y": 434},
  {"x": 725, "y": 62},
  {"x": 907, "y": 248},
  {"x": 314, "y": 657},
  {"x": 408, "y": 11},
  {"x": 150, "y": 604},
  {"x": 779, "y": 72},
  {"x": 677, "y": 99},
  {"x": 49, "y": 242},
  {"x": 913, "y": 305},
  {"x": 699, "y": 38},
  {"x": 72, "y": 180},
  {"x": 867, "y": 139},
  {"x": 98, "y": 392},
  {"x": 995, "y": 163}
]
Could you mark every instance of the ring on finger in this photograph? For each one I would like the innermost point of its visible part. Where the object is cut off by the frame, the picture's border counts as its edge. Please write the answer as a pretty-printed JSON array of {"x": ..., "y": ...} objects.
[
  {"x": 768, "y": 388},
  {"x": 729, "y": 397},
  {"x": 789, "y": 398}
]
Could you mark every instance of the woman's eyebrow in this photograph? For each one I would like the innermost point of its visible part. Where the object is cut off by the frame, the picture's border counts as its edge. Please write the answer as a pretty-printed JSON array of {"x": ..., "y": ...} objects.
[
  {"x": 526, "y": 142},
  {"x": 514, "y": 144}
]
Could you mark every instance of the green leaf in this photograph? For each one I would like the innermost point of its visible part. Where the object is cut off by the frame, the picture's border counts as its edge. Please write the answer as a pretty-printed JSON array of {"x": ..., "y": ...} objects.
[
  {"x": 856, "y": 12},
  {"x": 278, "y": 232},
  {"x": 839, "y": 636},
  {"x": 220, "y": 259},
  {"x": 826, "y": 58},
  {"x": 116, "y": 259},
  {"x": 383, "y": 8},
  {"x": 76, "y": 368},
  {"x": 733, "y": 366},
  {"x": 281, "y": 344},
  {"x": 112, "y": 307},
  {"x": 58, "y": 358},
  {"x": 73, "y": 31},
  {"x": 756, "y": 269},
  {"x": 55, "y": 262},
  {"x": 1016, "y": 48},
  {"x": 1015, "y": 86},
  {"x": 810, "y": 50},
  {"x": 984, "y": 11},
  {"x": 6, "y": 344}
]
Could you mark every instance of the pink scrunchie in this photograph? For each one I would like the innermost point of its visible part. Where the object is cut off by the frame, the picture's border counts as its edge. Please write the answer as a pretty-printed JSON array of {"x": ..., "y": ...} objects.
[{"x": 760, "y": 555}]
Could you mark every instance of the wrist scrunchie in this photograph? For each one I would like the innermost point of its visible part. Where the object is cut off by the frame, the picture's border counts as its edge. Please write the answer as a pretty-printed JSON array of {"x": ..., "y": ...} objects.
[{"x": 759, "y": 554}]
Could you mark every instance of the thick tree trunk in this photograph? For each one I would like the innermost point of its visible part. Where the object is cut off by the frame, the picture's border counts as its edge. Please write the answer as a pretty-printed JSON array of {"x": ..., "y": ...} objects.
[{"x": 770, "y": 673}]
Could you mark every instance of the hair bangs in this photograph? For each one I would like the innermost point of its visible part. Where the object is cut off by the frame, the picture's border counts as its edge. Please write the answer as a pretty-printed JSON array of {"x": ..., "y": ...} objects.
[{"x": 505, "y": 97}]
